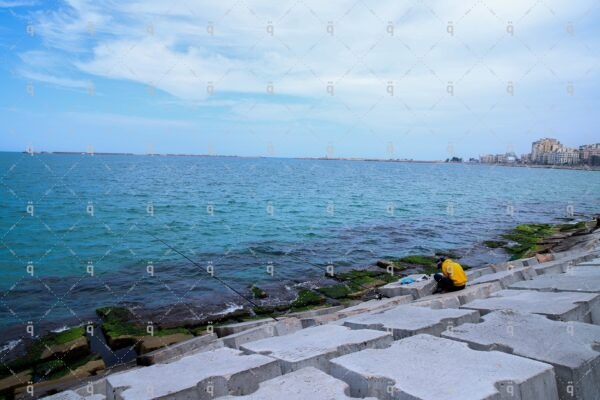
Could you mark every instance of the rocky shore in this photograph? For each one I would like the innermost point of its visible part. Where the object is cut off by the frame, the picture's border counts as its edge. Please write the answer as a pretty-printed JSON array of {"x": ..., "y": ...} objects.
[{"x": 124, "y": 337}]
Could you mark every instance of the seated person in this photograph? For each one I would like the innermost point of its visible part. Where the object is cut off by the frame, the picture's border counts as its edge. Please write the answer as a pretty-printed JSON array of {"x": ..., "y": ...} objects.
[{"x": 452, "y": 278}]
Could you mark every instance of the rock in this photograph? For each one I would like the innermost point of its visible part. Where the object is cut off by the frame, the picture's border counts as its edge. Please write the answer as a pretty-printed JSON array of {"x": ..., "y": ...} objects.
[
  {"x": 544, "y": 258},
  {"x": 10, "y": 383},
  {"x": 426, "y": 367},
  {"x": 304, "y": 384},
  {"x": 203, "y": 376},
  {"x": 313, "y": 347},
  {"x": 176, "y": 351},
  {"x": 147, "y": 344},
  {"x": 405, "y": 321},
  {"x": 73, "y": 350},
  {"x": 71, "y": 395},
  {"x": 384, "y": 263},
  {"x": 561, "y": 306},
  {"x": 570, "y": 347}
]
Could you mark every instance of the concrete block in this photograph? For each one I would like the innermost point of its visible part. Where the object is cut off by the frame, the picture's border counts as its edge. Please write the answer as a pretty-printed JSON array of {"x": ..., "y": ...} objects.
[
  {"x": 179, "y": 350},
  {"x": 405, "y": 321},
  {"x": 572, "y": 348},
  {"x": 507, "y": 265},
  {"x": 230, "y": 329},
  {"x": 314, "y": 347},
  {"x": 426, "y": 367},
  {"x": 508, "y": 277},
  {"x": 307, "y": 383},
  {"x": 456, "y": 299},
  {"x": 560, "y": 306},
  {"x": 416, "y": 289},
  {"x": 583, "y": 279},
  {"x": 71, "y": 395},
  {"x": 595, "y": 262},
  {"x": 201, "y": 376},
  {"x": 477, "y": 272},
  {"x": 364, "y": 307},
  {"x": 280, "y": 328}
]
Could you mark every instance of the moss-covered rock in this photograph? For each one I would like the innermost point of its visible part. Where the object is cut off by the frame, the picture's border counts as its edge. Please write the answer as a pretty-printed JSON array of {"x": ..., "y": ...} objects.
[
  {"x": 494, "y": 244},
  {"x": 526, "y": 238},
  {"x": 258, "y": 293}
]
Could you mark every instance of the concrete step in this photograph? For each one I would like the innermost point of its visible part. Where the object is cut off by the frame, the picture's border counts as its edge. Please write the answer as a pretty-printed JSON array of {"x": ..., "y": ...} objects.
[
  {"x": 508, "y": 277},
  {"x": 573, "y": 348},
  {"x": 415, "y": 289},
  {"x": 405, "y": 321},
  {"x": 178, "y": 350},
  {"x": 477, "y": 272},
  {"x": 283, "y": 327},
  {"x": 314, "y": 347},
  {"x": 305, "y": 384},
  {"x": 456, "y": 299},
  {"x": 561, "y": 306},
  {"x": 595, "y": 262},
  {"x": 71, "y": 395},
  {"x": 201, "y": 376},
  {"x": 585, "y": 279},
  {"x": 424, "y": 367},
  {"x": 367, "y": 306}
]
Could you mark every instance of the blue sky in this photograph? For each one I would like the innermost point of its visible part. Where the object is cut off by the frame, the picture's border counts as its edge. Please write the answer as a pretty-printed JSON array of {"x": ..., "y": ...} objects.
[{"x": 150, "y": 64}]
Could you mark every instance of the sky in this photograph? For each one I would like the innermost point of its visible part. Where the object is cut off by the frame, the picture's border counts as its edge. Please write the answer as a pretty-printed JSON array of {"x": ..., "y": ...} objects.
[{"x": 386, "y": 79}]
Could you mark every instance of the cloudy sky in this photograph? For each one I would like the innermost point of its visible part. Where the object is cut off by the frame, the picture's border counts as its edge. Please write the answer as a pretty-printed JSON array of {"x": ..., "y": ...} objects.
[{"x": 399, "y": 79}]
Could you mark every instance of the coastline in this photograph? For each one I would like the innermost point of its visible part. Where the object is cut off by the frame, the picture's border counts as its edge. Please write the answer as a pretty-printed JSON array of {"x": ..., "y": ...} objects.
[{"x": 120, "y": 334}]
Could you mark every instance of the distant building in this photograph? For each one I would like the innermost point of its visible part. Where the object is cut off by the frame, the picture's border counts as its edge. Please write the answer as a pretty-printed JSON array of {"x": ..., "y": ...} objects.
[
  {"x": 541, "y": 149},
  {"x": 590, "y": 154},
  {"x": 562, "y": 156}
]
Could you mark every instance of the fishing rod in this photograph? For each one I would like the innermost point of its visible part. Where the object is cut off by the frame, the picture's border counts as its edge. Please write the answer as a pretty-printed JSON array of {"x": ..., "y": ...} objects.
[{"x": 202, "y": 268}]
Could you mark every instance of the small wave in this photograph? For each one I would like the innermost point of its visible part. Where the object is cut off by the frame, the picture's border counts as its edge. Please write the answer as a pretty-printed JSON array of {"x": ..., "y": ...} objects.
[
  {"x": 11, "y": 344},
  {"x": 61, "y": 329},
  {"x": 231, "y": 307}
]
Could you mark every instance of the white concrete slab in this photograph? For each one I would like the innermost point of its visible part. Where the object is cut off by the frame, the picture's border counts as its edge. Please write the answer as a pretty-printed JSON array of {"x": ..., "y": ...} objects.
[
  {"x": 364, "y": 307},
  {"x": 507, "y": 277},
  {"x": 477, "y": 272},
  {"x": 584, "y": 279},
  {"x": 222, "y": 372},
  {"x": 71, "y": 395},
  {"x": 279, "y": 328},
  {"x": 426, "y": 367},
  {"x": 405, "y": 321},
  {"x": 415, "y": 289},
  {"x": 561, "y": 306},
  {"x": 595, "y": 262},
  {"x": 305, "y": 384},
  {"x": 573, "y": 348},
  {"x": 314, "y": 347},
  {"x": 456, "y": 299}
]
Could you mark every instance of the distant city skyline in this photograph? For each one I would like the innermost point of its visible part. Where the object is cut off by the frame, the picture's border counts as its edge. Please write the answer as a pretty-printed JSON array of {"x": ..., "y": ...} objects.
[{"x": 275, "y": 80}]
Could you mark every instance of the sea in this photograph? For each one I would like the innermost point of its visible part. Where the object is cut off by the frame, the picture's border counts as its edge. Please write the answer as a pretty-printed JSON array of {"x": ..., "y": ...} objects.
[{"x": 82, "y": 231}]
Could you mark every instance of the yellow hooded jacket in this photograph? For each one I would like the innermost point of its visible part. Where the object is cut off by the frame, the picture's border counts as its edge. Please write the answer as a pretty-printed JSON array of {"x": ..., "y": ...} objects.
[{"x": 454, "y": 271}]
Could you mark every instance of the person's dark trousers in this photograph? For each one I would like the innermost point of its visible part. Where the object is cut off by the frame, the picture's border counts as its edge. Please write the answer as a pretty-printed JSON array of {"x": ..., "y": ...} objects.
[{"x": 445, "y": 283}]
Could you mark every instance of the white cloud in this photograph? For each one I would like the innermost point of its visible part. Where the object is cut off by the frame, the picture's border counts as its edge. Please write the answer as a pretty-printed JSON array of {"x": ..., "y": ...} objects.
[{"x": 17, "y": 3}]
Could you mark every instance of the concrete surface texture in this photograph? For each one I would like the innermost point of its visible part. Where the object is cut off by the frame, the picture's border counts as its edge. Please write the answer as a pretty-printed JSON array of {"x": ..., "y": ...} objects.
[
  {"x": 573, "y": 348},
  {"x": 217, "y": 372},
  {"x": 576, "y": 279},
  {"x": 315, "y": 346},
  {"x": 563, "y": 306},
  {"x": 306, "y": 384},
  {"x": 426, "y": 367},
  {"x": 404, "y": 321}
]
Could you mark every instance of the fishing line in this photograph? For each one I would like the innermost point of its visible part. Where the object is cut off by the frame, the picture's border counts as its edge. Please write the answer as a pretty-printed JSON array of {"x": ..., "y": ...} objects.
[{"x": 202, "y": 268}]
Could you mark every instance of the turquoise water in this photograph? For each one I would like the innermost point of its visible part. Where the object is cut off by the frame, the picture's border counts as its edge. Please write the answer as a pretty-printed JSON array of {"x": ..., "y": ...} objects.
[{"x": 322, "y": 212}]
